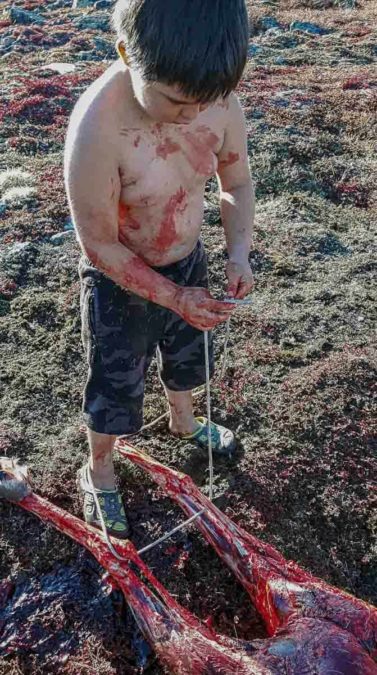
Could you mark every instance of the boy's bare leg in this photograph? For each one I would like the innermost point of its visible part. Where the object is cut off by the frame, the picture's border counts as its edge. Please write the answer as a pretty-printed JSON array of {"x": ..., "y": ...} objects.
[
  {"x": 101, "y": 460},
  {"x": 182, "y": 420}
]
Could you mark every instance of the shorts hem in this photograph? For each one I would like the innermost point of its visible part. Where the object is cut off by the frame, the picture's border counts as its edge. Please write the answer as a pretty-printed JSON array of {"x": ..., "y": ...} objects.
[
  {"x": 189, "y": 387},
  {"x": 124, "y": 432}
]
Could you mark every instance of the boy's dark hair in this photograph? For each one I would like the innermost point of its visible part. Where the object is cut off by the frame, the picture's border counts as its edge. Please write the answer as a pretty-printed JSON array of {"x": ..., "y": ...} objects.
[{"x": 200, "y": 45}]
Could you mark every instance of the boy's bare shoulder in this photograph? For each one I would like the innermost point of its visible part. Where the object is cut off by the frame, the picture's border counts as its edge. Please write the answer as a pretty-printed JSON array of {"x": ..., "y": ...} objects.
[
  {"x": 98, "y": 106},
  {"x": 234, "y": 105}
]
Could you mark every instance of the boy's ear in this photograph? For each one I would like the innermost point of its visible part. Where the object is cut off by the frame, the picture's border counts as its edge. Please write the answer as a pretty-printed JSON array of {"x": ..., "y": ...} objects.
[{"x": 121, "y": 49}]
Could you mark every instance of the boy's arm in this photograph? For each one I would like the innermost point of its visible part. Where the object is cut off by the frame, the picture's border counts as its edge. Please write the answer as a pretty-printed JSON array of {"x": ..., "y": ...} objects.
[
  {"x": 92, "y": 182},
  {"x": 237, "y": 201},
  {"x": 93, "y": 188}
]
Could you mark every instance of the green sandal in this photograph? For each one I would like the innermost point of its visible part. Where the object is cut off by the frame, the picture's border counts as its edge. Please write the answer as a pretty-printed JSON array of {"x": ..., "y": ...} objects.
[
  {"x": 223, "y": 441},
  {"x": 110, "y": 503}
]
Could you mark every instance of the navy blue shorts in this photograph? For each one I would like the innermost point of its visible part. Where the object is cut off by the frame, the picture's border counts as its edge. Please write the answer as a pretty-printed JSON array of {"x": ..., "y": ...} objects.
[{"x": 121, "y": 332}]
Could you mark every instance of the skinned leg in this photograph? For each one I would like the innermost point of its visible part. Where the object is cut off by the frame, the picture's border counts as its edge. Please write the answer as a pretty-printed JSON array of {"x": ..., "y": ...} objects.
[
  {"x": 280, "y": 589},
  {"x": 183, "y": 644}
]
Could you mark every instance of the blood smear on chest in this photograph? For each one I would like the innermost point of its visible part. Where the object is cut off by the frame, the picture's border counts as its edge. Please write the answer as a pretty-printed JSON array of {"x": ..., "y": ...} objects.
[
  {"x": 200, "y": 152},
  {"x": 166, "y": 148},
  {"x": 177, "y": 204}
]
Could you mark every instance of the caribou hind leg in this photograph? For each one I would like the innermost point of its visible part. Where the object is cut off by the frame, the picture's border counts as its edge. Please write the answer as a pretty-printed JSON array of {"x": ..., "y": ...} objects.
[
  {"x": 279, "y": 589},
  {"x": 183, "y": 644}
]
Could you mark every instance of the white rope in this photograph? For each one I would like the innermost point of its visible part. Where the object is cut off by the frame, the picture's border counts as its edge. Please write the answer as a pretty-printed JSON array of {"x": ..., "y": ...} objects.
[
  {"x": 169, "y": 534},
  {"x": 210, "y": 454},
  {"x": 236, "y": 301},
  {"x": 99, "y": 511},
  {"x": 210, "y": 457}
]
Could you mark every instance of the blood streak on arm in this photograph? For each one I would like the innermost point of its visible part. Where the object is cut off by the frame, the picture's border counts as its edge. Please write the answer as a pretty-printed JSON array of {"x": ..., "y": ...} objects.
[
  {"x": 126, "y": 218},
  {"x": 131, "y": 272},
  {"x": 142, "y": 280},
  {"x": 232, "y": 158}
]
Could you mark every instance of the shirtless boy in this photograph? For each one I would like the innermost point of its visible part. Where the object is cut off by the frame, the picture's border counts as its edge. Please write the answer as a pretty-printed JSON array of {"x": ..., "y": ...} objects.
[{"x": 142, "y": 141}]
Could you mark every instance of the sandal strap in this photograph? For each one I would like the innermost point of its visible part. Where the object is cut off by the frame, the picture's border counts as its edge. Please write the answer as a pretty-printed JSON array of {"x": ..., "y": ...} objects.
[
  {"x": 201, "y": 434},
  {"x": 109, "y": 501},
  {"x": 223, "y": 442}
]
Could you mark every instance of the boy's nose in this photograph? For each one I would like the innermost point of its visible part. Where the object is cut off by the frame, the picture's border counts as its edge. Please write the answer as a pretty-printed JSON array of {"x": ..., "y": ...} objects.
[{"x": 191, "y": 112}]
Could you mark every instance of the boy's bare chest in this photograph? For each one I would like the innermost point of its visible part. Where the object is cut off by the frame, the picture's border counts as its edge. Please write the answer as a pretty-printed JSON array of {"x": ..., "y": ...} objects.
[{"x": 154, "y": 161}]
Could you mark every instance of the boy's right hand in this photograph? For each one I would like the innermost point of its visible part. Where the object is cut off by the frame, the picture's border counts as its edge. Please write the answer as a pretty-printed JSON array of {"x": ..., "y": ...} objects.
[{"x": 199, "y": 309}]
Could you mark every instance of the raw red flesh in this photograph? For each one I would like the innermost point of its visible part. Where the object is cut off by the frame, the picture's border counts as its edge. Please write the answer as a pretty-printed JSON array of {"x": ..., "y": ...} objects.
[
  {"x": 171, "y": 630},
  {"x": 183, "y": 644},
  {"x": 279, "y": 589}
]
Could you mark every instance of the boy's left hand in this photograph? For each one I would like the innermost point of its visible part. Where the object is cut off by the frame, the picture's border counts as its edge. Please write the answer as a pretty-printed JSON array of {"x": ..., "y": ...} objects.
[{"x": 240, "y": 279}]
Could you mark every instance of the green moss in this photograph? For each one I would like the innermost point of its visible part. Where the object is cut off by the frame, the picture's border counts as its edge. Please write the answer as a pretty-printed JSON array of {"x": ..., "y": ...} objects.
[{"x": 4, "y": 307}]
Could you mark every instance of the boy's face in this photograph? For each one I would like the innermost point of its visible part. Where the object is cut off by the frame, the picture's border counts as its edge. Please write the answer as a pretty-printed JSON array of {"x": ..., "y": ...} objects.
[{"x": 161, "y": 102}]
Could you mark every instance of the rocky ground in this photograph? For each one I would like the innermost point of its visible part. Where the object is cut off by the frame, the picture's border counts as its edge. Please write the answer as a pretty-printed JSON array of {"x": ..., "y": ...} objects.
[{"x": 300, "y": 384}]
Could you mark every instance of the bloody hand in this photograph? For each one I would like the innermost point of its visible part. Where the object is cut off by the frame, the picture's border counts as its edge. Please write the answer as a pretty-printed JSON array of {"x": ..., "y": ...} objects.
[
  {"x": 199, "y": 309},
  {"x": 240, "y": 279}
]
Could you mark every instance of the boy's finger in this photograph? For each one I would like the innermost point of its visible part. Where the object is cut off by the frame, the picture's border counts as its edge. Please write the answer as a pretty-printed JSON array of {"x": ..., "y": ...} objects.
[
  {"x": 232, "y": 286},
  {"x": 243, "y": 289},
  {"x": 220, "y": 307},
  {"x": 215, "y": 316},
  {"x": 209, "y": 321}
]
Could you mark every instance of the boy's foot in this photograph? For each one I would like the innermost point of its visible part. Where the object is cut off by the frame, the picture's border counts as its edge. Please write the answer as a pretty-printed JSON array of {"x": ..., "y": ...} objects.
[
  {"x": 223, "y": 441},
  {"x": 110, "y": 503}
]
